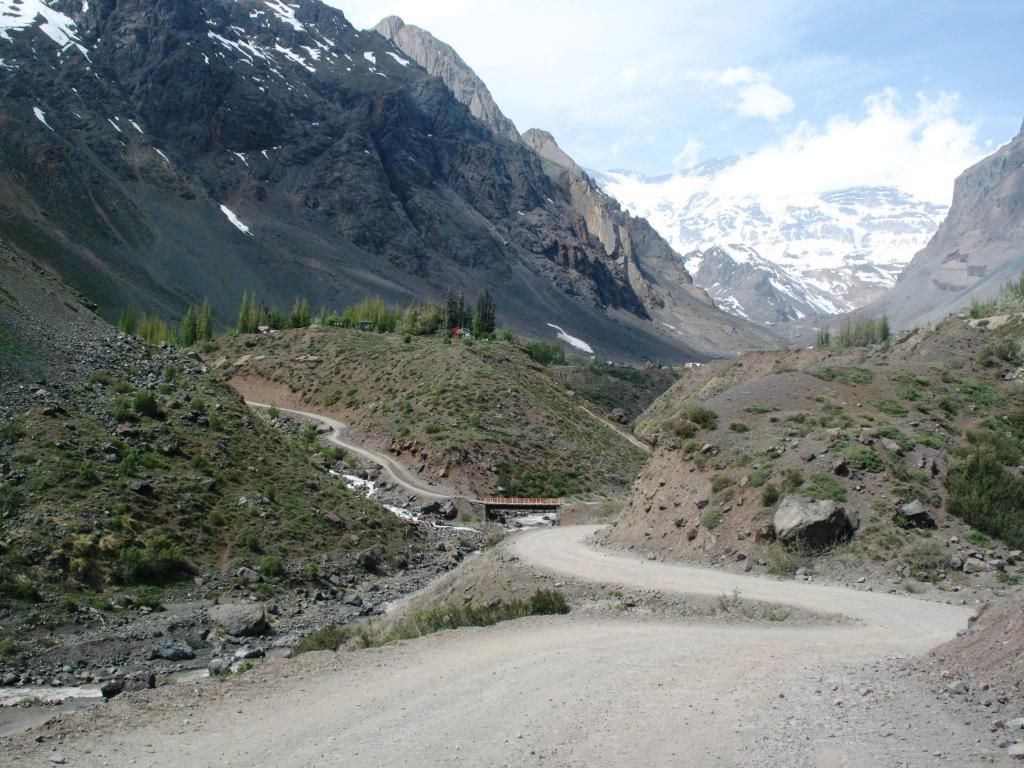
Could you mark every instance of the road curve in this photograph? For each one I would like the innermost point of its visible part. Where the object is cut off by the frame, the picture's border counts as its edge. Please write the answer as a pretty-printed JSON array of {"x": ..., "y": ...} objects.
[
  {"x": 907, "y": 624},
  {"x": 395, "y": 471},
  {"x": 574, "y": 691}
]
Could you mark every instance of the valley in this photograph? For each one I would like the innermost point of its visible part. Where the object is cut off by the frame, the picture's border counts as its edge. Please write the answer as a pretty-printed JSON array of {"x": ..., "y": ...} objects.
[{"x": 343, "y": 422}]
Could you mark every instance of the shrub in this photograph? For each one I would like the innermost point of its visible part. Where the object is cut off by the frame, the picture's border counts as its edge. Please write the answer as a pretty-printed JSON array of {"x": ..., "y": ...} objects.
[
  {"x": 739, "y": 426},
  {"x": 720, "y": 483},
  {"x": 711, "y": 518},
  {"x": 161, "y": 562},
  {"x": 12, "y": 431},
  {"x": 546, "y": 352},
  {"x": 122, "y": 410},
  {"x": 769, "y": 496},
  {"x": 701, "y": 416},
  {"x": 859, "y": 456},
  {"x": 428, "y": 620},
  {"x": 890, "y": 407},
  {"x": 145, "y": 404},
  {"x": 822, "y": 486},
  {"x": 101, "y": 377},
  {"x": 18, "y": 587},
  {"x": 327, "y": 638},
  {"x": 894, "y": 434},
  {"x": 985, "y": 494},
  {"x": 845, "y": 374},
  {"x": 759, "y": 476},
  {"x": 271, "y": 565}
]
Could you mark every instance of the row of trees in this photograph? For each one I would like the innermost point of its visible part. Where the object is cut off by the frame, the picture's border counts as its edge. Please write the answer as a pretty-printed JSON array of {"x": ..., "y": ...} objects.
[
  {"x": 195, "y": 325},
  {"x": 252, "y": 315},
  {"x": 860, "y": 332}
]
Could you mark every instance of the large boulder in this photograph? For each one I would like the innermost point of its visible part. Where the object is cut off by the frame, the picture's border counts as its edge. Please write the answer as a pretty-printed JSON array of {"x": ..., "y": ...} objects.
[
  {"x": 172, "y": 650},
  {"x": 916, "y": 515},
  {"x": 818, "y": 524},
  {"x": 240, "y": 620}
]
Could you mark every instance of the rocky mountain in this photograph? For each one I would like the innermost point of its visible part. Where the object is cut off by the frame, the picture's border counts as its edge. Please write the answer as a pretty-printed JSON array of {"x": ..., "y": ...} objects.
[
  {"x": 156, "y": 153},
  {"x": 791, "y": 255},
  {"x": 979, "y": 246},
  {"x": 649, "y": 265},
  {"x": 441, "y": 60},
  {"x": 745, "y": 283}
]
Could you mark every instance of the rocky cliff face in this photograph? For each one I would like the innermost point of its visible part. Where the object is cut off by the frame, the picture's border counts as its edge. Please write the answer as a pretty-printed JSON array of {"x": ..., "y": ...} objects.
[
  {"x": 441, "y": 61},
  {"x": 156, "y": 153},
  {"x": 978, "y": 247},
  {"x": 745, "y": 283},
  {"x": 640, "y": 257}
]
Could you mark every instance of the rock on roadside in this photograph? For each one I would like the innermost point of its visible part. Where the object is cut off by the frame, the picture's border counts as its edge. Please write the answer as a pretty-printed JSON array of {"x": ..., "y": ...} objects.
[{"x": 239, "y": 620}]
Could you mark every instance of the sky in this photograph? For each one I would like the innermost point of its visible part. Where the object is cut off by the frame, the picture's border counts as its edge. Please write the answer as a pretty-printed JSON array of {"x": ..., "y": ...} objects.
[{"x": 825, "y": 94}]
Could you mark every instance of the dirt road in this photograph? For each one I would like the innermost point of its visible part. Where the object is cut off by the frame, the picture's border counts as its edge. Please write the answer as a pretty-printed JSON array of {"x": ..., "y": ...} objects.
[
  {"x": 568, "y": 691},
  {"x": 396, "y": 471}
]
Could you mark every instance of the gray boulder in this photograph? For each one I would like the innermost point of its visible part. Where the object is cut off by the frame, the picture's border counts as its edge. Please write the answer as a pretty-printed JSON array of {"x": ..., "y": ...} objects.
[
  {"x": 818, "y": 524},
  {"x": 974, "y": 565},
  {"x": 916, "y": 515},
  {"x": 172, "y": 650},
  {"x": 240, "y": 620},
  {"x": 219, "y": 667}
]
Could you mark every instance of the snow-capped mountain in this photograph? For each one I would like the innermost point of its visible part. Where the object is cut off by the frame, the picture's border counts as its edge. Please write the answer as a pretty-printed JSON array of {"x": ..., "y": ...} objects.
[{"x": 792, "y": 255}]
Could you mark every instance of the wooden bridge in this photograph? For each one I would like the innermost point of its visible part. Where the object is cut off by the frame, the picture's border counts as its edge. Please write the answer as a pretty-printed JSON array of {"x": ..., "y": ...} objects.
[{"x": 494, "y": 505}]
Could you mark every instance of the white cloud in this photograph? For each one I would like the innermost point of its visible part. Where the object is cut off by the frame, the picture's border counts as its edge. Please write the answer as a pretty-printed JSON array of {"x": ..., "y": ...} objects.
[
  {"x": 763, "y": 100},
  {"x": 919, "y": 149},
  {"x": 755, "y": 97},
  {"x": 687, "y": 158}
]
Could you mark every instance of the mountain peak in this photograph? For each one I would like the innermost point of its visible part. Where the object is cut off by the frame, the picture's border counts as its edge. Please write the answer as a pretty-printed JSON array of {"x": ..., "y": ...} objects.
[
  {"x": 544, "y": 144},
  {"x": 390, "y": 26},
  {"x": 442, "y": 61}
]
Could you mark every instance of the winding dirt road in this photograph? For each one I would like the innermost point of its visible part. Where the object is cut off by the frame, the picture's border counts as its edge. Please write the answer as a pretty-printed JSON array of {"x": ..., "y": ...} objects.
[
  {"x": 395, "y": 470},
  {"x": 569, "y": 691}
]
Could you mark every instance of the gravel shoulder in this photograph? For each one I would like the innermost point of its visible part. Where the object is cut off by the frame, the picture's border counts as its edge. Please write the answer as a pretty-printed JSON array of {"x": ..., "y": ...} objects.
[{"x": 568, "y": 691}]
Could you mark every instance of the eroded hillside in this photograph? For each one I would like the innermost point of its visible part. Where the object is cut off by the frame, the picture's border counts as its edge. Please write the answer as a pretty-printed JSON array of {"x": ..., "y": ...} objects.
[
  {"x": 898, "y": 436},
  {"x": 481, "y": 415}
]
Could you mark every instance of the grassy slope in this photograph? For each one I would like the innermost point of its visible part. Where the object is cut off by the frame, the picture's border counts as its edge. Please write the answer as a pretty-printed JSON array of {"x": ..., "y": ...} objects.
[
  {"x": 785, "y": 418},
  {"x": 79, "y": 488},
  {"x": 610, "y": 388},
  {"x": 482, "y": 411}
]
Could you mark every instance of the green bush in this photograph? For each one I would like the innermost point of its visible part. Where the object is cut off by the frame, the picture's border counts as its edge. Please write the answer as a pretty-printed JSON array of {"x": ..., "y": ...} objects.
[
  {"x": 19, "y": 587},
  {"x": 101, "y": 377},
  {"x": 845, "y": 374},
  {"x": 759, "y": 476},
  {"x": 720, "y": 483},
  {"x": 859, "y": 456},
  {"x": 770, "y": 496},
  {"x": 546, "y": 352},
  {"x": 161, "y": 562},
  {"x": 822, "y": 486},
  {"x": 122, "y": 410},
  {"x": 739, "y": 426},
  {"x": 985, "y": 494},
  {"x": 701, "y": 416},
  {"x": 12, "y": 431},
  {"x": 890, "y": 407},
  {"x": 145, "y": 404},
  {"x": 711, "y": 518},
  {"x": 329, "y": 638},
  {"x": 271, "y": 565}
]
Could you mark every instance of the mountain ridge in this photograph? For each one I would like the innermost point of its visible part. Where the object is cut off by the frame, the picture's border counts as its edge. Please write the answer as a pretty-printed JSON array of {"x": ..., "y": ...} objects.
[{"x": 155, "y": 154}]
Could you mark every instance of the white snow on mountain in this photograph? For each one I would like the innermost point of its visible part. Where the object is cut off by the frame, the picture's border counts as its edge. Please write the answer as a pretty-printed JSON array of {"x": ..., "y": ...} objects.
[
  {"x": 20, "y": 14},
  {"x": 832, "y": 251}
]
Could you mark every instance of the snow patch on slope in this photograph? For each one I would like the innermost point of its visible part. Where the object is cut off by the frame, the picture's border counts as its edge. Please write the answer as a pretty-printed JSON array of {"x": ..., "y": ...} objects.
[
  {"x": 235, "y": 220},
  {"x": 21, "y": 14},
  {"x": 572, "y": 341},
  {"x": 41, "y": 117}
]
